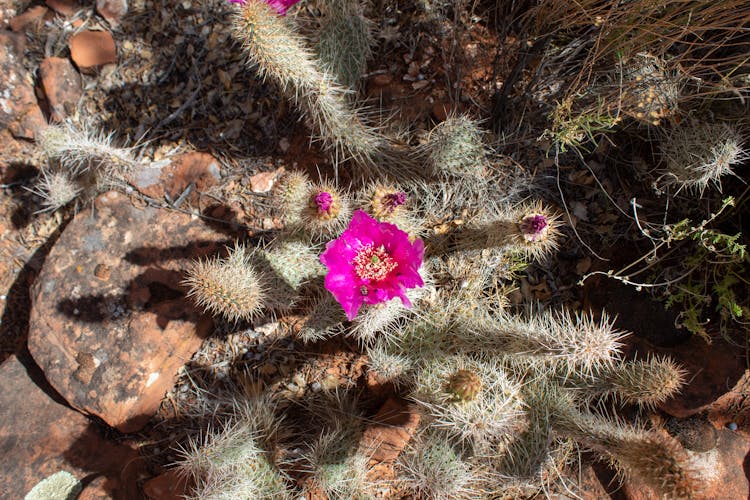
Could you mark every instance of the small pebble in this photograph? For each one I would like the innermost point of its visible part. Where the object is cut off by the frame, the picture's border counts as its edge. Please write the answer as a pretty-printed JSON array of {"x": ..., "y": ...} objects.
[
  {"x": 316, "y": 387},
  {"x": 732, "y": 426}
]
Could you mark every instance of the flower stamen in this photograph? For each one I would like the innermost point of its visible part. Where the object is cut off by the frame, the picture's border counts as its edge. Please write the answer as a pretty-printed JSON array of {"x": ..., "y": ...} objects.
[
  {"x": 324, "y": 202},
  {"x": 373, "y": 263},
  {"x": 534, "y": 227}
]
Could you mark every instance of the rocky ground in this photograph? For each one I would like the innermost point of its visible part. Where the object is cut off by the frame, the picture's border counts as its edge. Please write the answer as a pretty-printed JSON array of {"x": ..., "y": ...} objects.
[{"x": 100, "y": 350}]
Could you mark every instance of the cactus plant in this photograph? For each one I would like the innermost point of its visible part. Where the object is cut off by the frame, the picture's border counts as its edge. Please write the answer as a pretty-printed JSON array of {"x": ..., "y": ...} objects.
[
  {"x": 230, "y": 287},
  {"x": 696, "y": 154},
  {"x": 417, "y": 272}
]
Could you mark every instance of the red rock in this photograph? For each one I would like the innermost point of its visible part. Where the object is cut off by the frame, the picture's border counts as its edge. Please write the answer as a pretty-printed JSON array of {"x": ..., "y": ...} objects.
[
  {"x": 263, "y": 182},
  {"x": 61, "y": 85},
  {"x": 113, "y": 348},
  {"x": 201, "y": 169},
  {"x": 722, "y": 471},
  {"x": 34, "y": 15},
  {"x": 378, "y": 386},
  {"x": 633, "y": 489},
  {"x": 440, "y": 111},
  {"x": 382, "y": 80},
  {"x": 19, "y": 111},
  {"x": 65, "y": 7},
  {"x": 29, "y": 124},
  {"x": 591, "y": 486},
  {"x": 711, "y": 371},
  {"x": 112, "y": 10},
  {"x": 39, "y": 437},
  {"x": 733, "y": 407},
  {"x": 90, "y": 50},
  {"x": 168, "y": 486},
  {"x": 390, "y": 431},
  {"x": 385, "y": 437},
  {"x": 10, "y": 170},
  {"x": 719, "y": 473}
]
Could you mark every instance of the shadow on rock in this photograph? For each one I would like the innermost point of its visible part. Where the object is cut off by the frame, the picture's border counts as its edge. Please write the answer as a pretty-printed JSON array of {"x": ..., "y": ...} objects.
[{"x": 14, "y": 324}]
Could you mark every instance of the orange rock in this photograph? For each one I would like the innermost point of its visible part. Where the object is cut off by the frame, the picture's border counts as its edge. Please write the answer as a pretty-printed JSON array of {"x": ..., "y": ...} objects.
[
  {"x": 391, "y": 430},
  {"x": 39, "y": 436},
  {"x": 29, "y": 123},
  {"x": 441, "y": 110},
  {"x": 711, "y": 372},
  {"x": 733, "y": 407},
  {"x": 723, "y": 470},
  {"x": 90, "y": 50},
  {"x": 112, "y": 10},
  {"x": 33, "y": 15},
  {"x": 263, "y": 182},
  {"x": 200, "y": 169},
  {"x": 61, "y": 85},
  {"x": 113, "y": 348},
  {"x": 65, "y": 7},
  {"x": 382, "y": 80},
  {"x": 19, "y": 111},
  {"x": 167, "y": 486},
  {"x": 719, "y": 473}
]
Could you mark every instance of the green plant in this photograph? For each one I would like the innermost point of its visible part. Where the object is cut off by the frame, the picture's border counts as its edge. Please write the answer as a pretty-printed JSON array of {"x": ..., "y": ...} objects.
[
  {"x": 236, "y": 460},
  {"x": 708, "y": 270},
  {"x": 433, "y": 468}
]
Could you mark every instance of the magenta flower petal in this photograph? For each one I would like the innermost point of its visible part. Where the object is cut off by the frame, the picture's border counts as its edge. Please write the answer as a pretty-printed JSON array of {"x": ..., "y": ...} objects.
[
  {"x": 371, "y": 262},
  {"x": 280, "y": 6}
]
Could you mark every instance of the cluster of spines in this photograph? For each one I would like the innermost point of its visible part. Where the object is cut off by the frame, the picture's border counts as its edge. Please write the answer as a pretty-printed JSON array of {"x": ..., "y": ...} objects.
[
  {"x": 432, "y": 467},
  {"x": 81, "y": 163},
  {"x": 698, "y": 153},
  {"x": 481, "y": 422},
  {"x": 271, "y": 44},
  {"x": 317, "y": 210},
  {"x": 336, "y": 465},
  {"x": 237, "y": 460},
  {"x": 462, "y": 358},
  {"x": 455, "y": 148},
  {"x": 344, "y": 40},
  {"x": 651, "y": 89},
  {"x": 651, "y": 456},
  {"x": 530, "y": 229},
  {"x": 230, "y": 287},
  {"x": 486, "y": 387}
]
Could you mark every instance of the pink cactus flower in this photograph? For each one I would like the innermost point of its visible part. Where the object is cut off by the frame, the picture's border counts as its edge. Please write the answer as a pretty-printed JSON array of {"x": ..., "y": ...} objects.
[
  {"x": 534, "y": 227},
  {"x": 280, "y": 6},
  {"x": 324, "y": 202},
  {"x": 371, "y": 262},
  {"x": 394, "y": 200}
]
